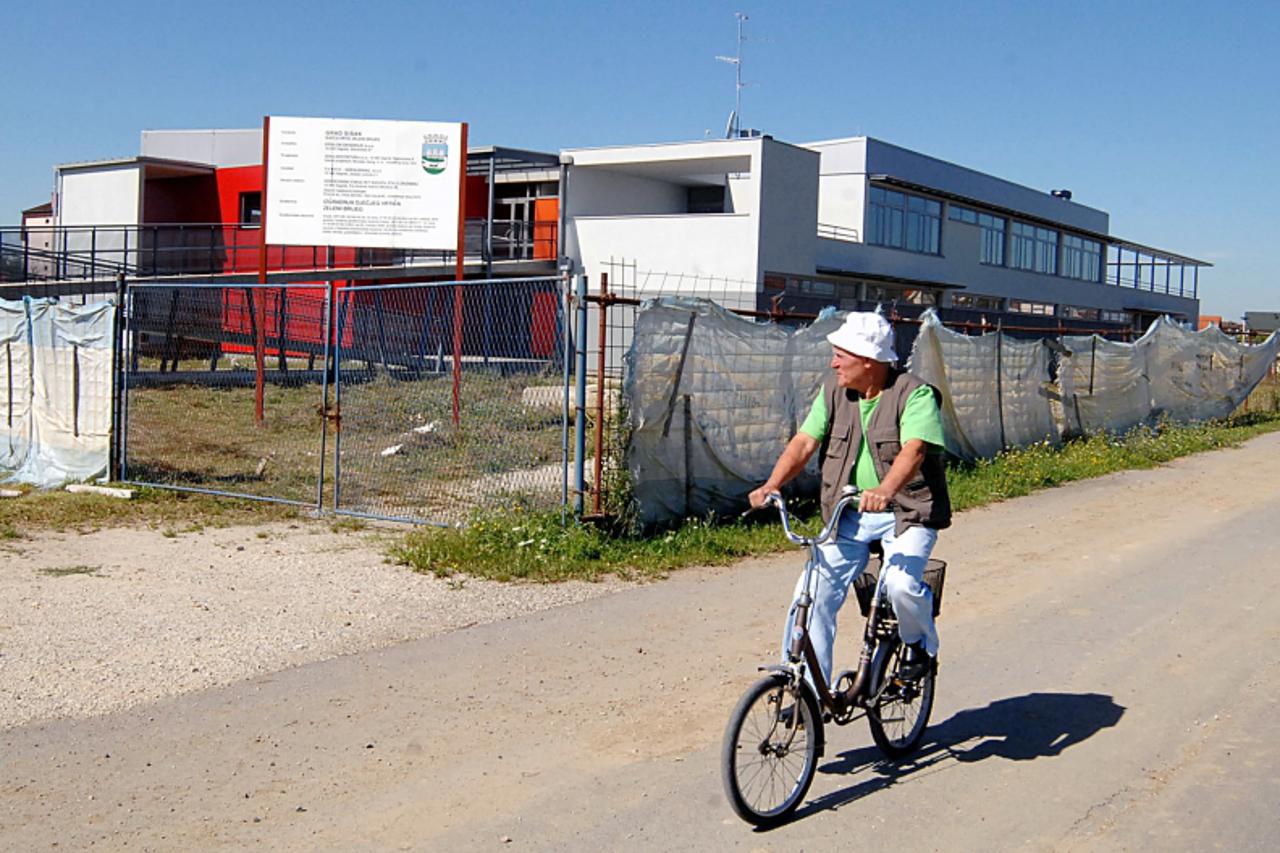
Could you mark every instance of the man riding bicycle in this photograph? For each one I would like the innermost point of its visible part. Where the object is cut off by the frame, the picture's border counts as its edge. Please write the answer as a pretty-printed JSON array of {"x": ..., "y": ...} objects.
[{"x": 879, "y": 428}]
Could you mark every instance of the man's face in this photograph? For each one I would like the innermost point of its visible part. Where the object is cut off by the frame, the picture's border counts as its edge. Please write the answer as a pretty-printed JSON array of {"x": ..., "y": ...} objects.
[{"x": 852, "y": 371}]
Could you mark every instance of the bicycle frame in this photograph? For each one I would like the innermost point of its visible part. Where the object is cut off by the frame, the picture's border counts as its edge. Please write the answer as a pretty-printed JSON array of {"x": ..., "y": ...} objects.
[{"x": 801, "y": 656}]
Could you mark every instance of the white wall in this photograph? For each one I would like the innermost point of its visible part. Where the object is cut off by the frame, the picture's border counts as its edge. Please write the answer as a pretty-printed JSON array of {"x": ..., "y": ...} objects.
[
  {"x": 603, "y": 192},
  {"x": 222, "y": 148},
  {"x": 842, "y": 201},
  {"x": 108, "y": 195},
  {"x": 102, "y": 196},
  {"x": 709, "y": 245},
  {"x": 788, "y": 218}
]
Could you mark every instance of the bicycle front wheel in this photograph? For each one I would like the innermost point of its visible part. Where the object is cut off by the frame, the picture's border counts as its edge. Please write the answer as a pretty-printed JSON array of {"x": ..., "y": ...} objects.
[
  {"x": 770, "y": 750},
  {"x": 900, "y": 713}
]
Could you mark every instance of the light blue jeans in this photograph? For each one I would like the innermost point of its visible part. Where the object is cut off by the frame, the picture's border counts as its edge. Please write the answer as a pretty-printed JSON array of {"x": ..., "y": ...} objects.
[{"x": 843, "y": 558}]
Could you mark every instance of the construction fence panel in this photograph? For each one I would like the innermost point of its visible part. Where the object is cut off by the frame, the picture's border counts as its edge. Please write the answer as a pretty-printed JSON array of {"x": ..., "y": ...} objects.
[
  {"x": 55, "y": 390},
  {"x": 994, "y": 388},
  {"x": 451, "y": 397},
  {"x": 713, "y": 397},
  {"x": 191, "y": 417}
]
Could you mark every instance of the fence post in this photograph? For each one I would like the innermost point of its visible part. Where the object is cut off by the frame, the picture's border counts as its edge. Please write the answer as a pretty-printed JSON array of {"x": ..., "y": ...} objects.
[
  {"x": 326, "y": 330},
  {"x": 580, "y": 387},
  {"x": 566, "y": 300},
  {"x": 596, "y": 505},
  {"x": 118, "y": 362},
  {"x": 1000, "y": 380},
  {"x": 688, "y": 453}
]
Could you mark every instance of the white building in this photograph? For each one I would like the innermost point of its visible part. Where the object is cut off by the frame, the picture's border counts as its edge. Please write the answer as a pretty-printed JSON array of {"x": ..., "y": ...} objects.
[{"x": 857, "y": 222}]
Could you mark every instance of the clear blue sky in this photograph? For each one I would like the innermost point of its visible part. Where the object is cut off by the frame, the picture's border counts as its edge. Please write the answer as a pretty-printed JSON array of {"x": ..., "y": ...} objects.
[{"x": 1164, "y": 114}]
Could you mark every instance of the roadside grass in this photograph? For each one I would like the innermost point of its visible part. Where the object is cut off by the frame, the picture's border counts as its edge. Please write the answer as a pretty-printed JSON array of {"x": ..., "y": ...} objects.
[
  {"x": 521, "y": 544},
  {"x": 159, "y": 509}
]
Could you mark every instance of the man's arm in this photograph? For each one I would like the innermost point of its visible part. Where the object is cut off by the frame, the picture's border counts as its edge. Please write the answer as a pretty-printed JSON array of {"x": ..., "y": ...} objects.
[
  {"x": 904, "y": 468},
  {"x": 792, "y": 461}
]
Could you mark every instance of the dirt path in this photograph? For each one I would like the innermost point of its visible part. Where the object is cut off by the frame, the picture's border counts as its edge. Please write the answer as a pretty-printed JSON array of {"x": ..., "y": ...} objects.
[
  {"x": 1108, "y": 651},
  {"x": 103, "y": 621}
]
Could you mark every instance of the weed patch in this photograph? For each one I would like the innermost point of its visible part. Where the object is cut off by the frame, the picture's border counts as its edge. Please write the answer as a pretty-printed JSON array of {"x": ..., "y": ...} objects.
[
  {"x": 67, "y": 571},
  {"x": 519, "y": 544}
]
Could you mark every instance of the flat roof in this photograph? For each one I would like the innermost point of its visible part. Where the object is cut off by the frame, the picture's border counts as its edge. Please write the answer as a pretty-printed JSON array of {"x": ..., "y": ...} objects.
[{"x": 176, "y": 167}]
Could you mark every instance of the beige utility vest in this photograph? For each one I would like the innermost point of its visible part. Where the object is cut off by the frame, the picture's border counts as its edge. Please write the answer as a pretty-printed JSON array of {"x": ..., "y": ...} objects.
[{"x": 924, "y": 500}]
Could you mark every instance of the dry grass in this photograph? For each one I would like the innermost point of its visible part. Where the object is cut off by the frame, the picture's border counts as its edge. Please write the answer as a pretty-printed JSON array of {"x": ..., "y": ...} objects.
[
  {"x": 401, "y": 454},
  {"x": 156, "y": 508}
]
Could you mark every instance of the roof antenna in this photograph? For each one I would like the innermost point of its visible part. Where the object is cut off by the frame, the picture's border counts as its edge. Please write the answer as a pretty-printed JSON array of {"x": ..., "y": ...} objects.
[{"x": 732, "y": 128}]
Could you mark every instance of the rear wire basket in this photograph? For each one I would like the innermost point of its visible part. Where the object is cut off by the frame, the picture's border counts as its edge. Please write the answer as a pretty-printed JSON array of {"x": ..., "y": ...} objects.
[{"x": 935, "y": 575}]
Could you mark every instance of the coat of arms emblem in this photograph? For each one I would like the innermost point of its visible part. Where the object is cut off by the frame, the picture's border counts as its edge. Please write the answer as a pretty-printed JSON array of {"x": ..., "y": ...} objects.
[{"x": 435, "y": 154}]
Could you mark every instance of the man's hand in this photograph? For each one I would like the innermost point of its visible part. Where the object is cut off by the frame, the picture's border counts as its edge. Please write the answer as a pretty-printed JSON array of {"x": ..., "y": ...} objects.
[
  {"x": 760, "y": 495},
  {"x": 904, "y": 468},
  {"x": 874, "y": 500},
  {"x": 789, "y": 464}
]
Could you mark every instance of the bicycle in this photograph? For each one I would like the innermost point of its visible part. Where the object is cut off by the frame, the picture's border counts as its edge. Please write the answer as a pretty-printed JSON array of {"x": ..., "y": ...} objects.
[{"x": 775, "y": 734}]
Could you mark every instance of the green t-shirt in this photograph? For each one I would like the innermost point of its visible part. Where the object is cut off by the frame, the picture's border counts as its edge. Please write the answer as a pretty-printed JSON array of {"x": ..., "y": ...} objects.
[{"x": 920, "y": 419}]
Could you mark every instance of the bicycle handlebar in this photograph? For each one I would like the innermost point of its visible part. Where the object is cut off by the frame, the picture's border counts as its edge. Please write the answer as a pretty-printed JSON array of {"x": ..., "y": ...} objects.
[{"x": 847, "y": 495}]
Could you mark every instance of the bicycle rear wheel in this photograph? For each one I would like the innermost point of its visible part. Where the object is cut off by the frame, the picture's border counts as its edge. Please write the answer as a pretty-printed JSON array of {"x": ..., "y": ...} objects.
[
  {"x": 770, "y": 750},
  {"x": 901, "y": 712}
]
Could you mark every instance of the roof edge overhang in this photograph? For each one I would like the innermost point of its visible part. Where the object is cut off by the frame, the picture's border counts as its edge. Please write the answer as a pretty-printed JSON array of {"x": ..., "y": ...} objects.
[
  {"x": 1108, "y": 239},
  {"x": 888, "y": 279},
  {"x": 190, "y": 166}
]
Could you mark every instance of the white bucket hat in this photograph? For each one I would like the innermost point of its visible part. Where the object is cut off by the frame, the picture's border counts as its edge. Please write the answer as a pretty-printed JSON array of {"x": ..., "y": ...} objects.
[{"x": 866, "y": 334}]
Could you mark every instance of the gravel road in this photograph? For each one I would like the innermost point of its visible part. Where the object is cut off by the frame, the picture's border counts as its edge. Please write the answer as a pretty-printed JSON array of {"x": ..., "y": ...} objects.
[
  {"x": 1107, "y": 669},
  {"x": 99, "y": 622}
]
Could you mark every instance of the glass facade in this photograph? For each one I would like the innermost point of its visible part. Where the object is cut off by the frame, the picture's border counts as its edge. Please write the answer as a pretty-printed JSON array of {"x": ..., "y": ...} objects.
[
  {"x": 1081, "y": 258},
  {"x": 992, "y": 232},
  {"x": 904, "y": 221},
  {"x": 1023, "y": 306},
  {"x": 975, "y": 302},
  {"x": 1033, "y": 248}
]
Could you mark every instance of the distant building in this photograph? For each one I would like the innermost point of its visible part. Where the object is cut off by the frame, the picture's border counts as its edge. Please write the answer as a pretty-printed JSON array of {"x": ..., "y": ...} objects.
[
  {"x": 1262, "y": 321},
  {"x": 858, "y": 222},
  {"x": 190, "y": 203},
  {"x": 756, "y": 222},
  {"x": 37, "y": 232}
]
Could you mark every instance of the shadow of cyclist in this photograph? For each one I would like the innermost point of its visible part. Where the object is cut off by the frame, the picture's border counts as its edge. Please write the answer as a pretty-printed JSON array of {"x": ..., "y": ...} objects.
[{"x": 1020, "y": 728}]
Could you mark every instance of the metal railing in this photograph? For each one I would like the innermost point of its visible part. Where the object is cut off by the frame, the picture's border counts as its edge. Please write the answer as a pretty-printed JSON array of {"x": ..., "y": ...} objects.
[{"x": 96, "y": 252}]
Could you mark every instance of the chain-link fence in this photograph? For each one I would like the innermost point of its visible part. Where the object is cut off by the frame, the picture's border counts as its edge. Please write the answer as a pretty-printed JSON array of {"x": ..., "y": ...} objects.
[
  {"x": 451, "y": 397},
  {"x": 224, "y": 388}
]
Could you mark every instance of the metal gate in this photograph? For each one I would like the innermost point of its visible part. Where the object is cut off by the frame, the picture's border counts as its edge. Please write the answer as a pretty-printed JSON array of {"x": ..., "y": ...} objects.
[
  {"x": 223, "y": 389},
  {"x": 449, "y": 397}
]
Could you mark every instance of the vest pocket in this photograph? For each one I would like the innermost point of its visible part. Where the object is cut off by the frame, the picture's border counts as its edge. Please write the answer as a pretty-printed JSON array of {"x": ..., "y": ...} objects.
[{"x": 888, "y": 450}]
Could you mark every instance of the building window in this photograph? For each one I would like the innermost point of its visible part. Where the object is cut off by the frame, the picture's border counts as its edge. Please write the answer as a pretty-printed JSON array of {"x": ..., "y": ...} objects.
[
  {"x": 992, "y": 239},
  {"x": 817, "y": 288},
  {"x": 900, "y": 295},
  {"x": 1081, "y": 258},
  {"x": 1074, "y": 312},
  {"x": 1033, "y": 248},
  {"x": 250, "y": 210},
  {"x": 1121, "y": 317},
  {"x": 992, "y": 232},
  {"x": 975, "y": 302},
  {"x": 904, "y": 221},
  {"x": 705, "y": 199},
  {"x": 1039, "y": 309}
]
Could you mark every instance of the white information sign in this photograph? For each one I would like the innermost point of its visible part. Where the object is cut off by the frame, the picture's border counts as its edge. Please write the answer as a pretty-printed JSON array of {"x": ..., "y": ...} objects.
[{"x": 350, "y": 182}]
